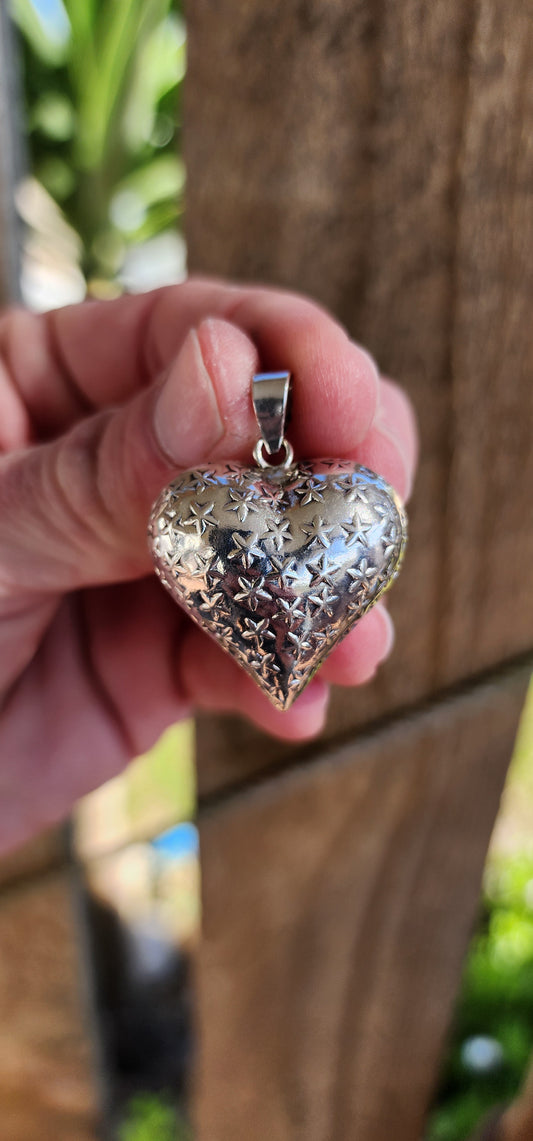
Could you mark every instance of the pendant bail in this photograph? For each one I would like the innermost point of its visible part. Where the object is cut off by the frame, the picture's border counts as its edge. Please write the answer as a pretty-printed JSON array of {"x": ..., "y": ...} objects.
[{"x": 270, "y": 396}]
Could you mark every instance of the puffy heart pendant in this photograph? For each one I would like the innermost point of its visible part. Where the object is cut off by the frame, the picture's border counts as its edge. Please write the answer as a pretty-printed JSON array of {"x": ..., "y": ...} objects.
[{"x": 278, "y": 563}]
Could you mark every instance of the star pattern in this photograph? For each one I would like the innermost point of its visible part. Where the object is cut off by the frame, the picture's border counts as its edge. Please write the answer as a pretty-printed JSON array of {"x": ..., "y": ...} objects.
[
  {"x": 245, "y": 549},
  {"x": 239, "y": 501},
  {"x": 320, "y": 570},
  {"x": 252, "y": 592},
  {"x": 318, "y": 531},
  {"x": 310, "y": 492},
  {"x": 355, "y": 531},
  {"x": 278, "y": 565},
  {"x": 277, "y": 531},
  {"x": 322, "y": 600},
  {"x": 200, "y": 516}
]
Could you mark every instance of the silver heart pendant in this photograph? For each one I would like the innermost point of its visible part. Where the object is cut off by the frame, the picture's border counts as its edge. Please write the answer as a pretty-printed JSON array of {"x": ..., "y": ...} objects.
[{"x": 278, "y": 563}]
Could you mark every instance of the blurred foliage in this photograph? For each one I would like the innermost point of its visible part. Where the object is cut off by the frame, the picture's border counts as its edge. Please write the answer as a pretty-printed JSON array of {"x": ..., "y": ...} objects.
[
  {"x": 495, "y": 1006},
  {"x": 492, "y": 1040},
  {"x": 151, "y": 1119},
  {"x": 102, "y": 84}
]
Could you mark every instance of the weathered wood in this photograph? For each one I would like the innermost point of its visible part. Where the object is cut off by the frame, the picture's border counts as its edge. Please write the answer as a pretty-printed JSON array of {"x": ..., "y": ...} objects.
[
  {"x": 380, "y": 158},
  {"x": 338, "y": 901},
  {"x": 46, "y": 1083},
  {"x": 47, "y": 852}
]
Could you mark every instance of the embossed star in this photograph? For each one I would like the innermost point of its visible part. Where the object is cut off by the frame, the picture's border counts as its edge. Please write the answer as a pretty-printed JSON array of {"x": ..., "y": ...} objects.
[
  {"x": 362, "y": 496},
  {"x": 361, "y": 575},
  {"x": 310, "y": 493},
  {"x": 198, "y": 480},
  {"x": 292, "y": 609},
  {"x": 268, "y": 663},
  {"x": 299, "y": 642},
  {"x": 320, "y": 570},
  {"x": 209, "y": 601},
  {"x": 283, "y": 572},
  {"x": 318, "y": 530},
  {"x": 241, "y": 503},
  {"x": 322, "y": 600},
  {"x": 225, "y": 632},
  {"x": 201, "y": 562},
  {"x": 256, "y": 629},
  {"x": 200, "y": 517},
  {"x": 381, "y": 508},
  {"x": 318, "y": 637},
  {"x": 193, "y": 564},
  {"x": 245, "y": 549},
  {"x": 355, "y": 532},
  {"x": 164, "y": 522},
  {"x": 298, "y": 675},
  {"x": 344, "y": 483},
  {"x": 278, "y": 531},
  {"x": 251, "y": 591}
]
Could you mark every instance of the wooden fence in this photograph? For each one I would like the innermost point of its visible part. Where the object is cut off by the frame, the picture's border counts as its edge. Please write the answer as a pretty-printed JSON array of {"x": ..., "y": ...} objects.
[{"x": 377, "y": 156}]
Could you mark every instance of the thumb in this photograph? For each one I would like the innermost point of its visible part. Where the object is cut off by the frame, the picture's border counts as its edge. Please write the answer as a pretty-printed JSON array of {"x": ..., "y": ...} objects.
[{"x": 74, "y": 512}]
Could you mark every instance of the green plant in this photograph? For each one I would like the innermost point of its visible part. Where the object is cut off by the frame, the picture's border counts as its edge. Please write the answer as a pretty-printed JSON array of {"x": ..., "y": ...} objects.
[
  {"x": 151, "y": 1119},
  {"x": 102, "y": 87},
  {"x": 495, "y": 1005}
]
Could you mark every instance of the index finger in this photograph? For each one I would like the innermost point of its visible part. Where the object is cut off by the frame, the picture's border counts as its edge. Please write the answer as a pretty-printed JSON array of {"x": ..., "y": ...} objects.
[{"x": 100, "y": 353}]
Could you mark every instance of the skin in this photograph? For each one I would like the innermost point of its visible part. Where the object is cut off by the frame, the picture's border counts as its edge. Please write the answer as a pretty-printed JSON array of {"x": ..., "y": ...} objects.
[{"x": 100, "y": 404}]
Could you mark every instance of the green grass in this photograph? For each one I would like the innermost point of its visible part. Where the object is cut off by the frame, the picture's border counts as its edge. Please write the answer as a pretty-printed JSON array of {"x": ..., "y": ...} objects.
[
  {"x": 496, "y": 997},
  {"x": 152, "y": 1119}
]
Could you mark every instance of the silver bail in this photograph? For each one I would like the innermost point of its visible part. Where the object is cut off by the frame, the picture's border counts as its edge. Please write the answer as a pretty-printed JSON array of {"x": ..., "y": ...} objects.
[{"x": 270, "y": 395}]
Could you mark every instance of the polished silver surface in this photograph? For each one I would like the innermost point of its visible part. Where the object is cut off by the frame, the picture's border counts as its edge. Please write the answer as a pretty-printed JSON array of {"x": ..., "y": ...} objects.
[
  {"x": 270, "y": 396},
  {"x": 278, "y": 564}
]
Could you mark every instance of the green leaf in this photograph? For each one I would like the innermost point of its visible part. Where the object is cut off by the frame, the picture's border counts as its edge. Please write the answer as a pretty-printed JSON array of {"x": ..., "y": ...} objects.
[{"x": 51, "y": 49}]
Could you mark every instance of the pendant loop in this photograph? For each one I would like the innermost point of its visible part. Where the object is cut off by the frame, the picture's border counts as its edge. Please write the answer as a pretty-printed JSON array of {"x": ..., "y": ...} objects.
[
  {"x": 270, "y": 395},
  {"x": 285, "y": 461}
]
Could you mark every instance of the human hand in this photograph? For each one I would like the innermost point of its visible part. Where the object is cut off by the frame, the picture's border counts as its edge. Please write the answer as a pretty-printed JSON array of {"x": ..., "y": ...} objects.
[{"x": 100, "y": 404}]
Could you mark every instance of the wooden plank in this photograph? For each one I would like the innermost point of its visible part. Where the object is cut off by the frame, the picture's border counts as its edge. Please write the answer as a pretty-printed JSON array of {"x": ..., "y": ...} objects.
[
  {"x": 47, "y": 852},
  {"x": 10, "y": 163},
  {"x": 46, "y": 1080},
  {"x": 380, "y": 158},
  {"x": 338, "y": 899}
]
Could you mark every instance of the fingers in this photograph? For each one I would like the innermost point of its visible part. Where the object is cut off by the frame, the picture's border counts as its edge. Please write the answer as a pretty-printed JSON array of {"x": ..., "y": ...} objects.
[
  {"x": 396, "y": 410},
  {"x": 130, "y": 633},
  {"x": 55, "y": 367},
  {"x": 101, "y": 353},
  {"x": 391, "y": 445},
  {"x": 74, "y": 512},
  {"x": 356, "y": 659},
  {"x": 213, "y": 680}
]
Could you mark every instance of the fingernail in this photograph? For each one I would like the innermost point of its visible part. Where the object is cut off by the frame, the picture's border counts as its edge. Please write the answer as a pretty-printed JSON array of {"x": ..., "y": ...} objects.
[{"x": 187, "y": 420}]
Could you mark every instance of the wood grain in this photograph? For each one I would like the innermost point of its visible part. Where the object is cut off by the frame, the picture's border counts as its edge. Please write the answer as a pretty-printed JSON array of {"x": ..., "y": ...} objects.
[
  {"x": 380, "y": 158},
  {"x": 47, "y": 852},
  {"x": 46, "y": 1080},
  {"x": 338, "y": 901}
]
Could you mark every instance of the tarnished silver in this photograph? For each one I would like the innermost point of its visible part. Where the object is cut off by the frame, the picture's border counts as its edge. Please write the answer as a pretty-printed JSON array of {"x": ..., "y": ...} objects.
[
  {"x": 270, "y": 396},
  {"x": 278, "y": 564}
]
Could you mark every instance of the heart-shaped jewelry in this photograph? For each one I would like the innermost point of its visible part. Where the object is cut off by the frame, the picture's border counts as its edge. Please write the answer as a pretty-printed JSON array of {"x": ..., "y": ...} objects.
[{"x": 278, "y": 562}]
